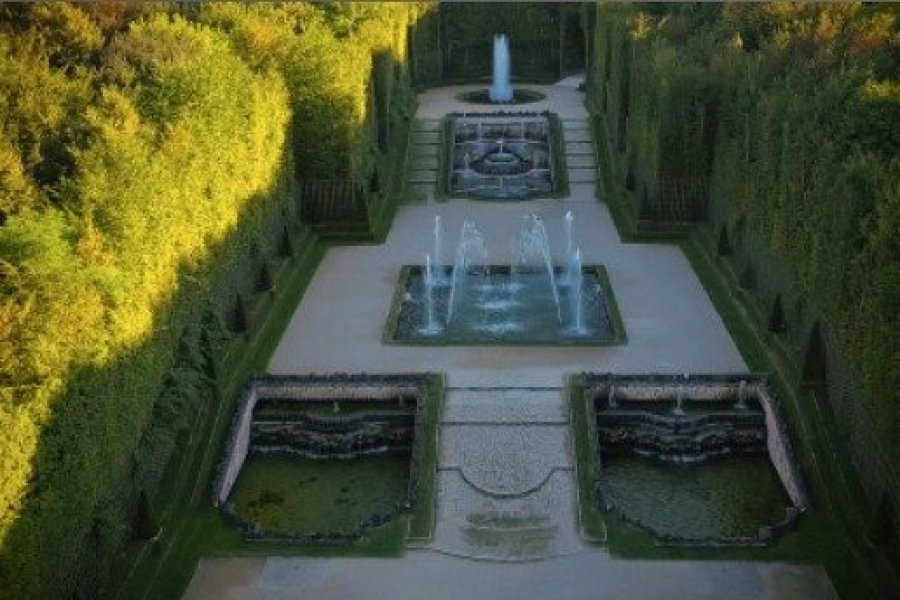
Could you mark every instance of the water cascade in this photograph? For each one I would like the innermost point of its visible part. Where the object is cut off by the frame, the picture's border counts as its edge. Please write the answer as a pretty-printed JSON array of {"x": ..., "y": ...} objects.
[
  {"x": 742, "y": 395},
  {"x": 501, "y": 90},
  {"x": 679, "y": 401}
]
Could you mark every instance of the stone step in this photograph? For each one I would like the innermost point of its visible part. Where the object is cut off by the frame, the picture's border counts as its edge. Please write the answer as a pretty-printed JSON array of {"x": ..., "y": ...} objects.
[
  {"x": 426, "y": 126},
  {"x": 580, "y": 161},
  {"x": 426, "y": 137},
  {"x": 423, "y": 176},
  {"x": 576, "y": 148},
  {"x": 429, "y": 150},
  {"x": 582, "y": 175},
  {"x": 423, "y": 163},
  {"x": 510, "y": 405},
  {"x": 576, "y": 135}
]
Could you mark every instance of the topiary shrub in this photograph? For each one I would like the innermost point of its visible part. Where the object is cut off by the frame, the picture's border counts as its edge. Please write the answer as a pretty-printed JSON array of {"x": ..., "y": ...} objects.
[
  {"x": 240, "y": 321},
  {"x": 777, "y": 322},
  {"x": 724, "y": 246}
]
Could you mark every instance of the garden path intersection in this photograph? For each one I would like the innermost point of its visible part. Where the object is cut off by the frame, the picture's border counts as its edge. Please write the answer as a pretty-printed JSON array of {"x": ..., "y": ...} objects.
[{"x": 506, "y": 518}]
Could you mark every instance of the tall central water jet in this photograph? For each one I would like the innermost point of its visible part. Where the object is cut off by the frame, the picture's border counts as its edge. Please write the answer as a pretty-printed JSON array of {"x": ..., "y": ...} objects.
[{"x": 501, "y": 90}]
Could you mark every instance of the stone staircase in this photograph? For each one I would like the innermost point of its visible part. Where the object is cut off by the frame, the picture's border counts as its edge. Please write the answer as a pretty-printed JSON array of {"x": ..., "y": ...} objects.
[
  {"x": 579, "y": 152},
  {"x": 505, "y": 475},
  {"x": 424, "y": 149}
]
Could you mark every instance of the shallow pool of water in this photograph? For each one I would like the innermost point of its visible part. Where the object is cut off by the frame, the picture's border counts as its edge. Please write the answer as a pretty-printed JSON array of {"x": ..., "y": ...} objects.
[
  {"x": 729, "y": 497},
  {"x": 504, "y": 308},
  {"x": 290, "y": 495}
]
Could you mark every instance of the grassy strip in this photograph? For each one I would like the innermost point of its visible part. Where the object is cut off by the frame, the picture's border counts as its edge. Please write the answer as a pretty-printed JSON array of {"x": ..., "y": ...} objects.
[
  {"x": 612, "y": 307},
  {"x": 421, "y": 523},
  {"x": 591, "y": 520}
]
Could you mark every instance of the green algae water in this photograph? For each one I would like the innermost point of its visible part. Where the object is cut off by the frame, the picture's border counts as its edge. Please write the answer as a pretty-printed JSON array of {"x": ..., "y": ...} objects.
[
  {"x": 720, "y": 499},
  {"x": 293, "y": 495}
]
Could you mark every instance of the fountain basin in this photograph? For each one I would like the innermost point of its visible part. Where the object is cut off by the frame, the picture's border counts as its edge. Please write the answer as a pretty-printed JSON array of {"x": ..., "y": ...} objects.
[
  {"x": 692, "y": 460},
  {"x": 502, "y": 307},
  {"x": 502, "y": 157},
  {"x": 482, "y": 96}
]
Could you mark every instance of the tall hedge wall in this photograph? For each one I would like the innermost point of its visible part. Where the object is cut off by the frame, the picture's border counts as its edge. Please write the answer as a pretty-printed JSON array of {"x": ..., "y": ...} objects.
[
  {"x": 455, "y": 42},
  {"x": 148, "y": 159},
  {"x": 788, "y": 113}
]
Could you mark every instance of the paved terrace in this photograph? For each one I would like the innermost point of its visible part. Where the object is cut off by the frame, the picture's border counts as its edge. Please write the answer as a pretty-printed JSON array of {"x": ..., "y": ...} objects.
[{"x": 506, "y": 508}]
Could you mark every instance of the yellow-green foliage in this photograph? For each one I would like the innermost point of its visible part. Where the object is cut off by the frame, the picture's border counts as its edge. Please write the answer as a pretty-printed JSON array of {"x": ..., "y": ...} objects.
[
  {"x": 791, "y": 110},
  {"x": 147, "y": 161},
  {"x": 329, "y": 76}
]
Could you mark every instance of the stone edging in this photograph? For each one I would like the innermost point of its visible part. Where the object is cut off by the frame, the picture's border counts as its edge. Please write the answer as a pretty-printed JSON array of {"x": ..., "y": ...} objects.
[
  {"x": 710, "y": 387},
  {"x": 319, "y": 387}
]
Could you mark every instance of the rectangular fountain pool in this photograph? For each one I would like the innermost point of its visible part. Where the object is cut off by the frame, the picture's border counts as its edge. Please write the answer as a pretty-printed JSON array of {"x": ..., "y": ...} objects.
[
  {"x": 498, "y": 306},
  {"x": 502, "y": 157}
]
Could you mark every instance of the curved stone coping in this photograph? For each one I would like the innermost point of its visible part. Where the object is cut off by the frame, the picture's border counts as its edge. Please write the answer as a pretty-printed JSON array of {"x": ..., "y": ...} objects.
[
  {"x": 766, "y": 533},
  {"x": 507, "y": 459},
  {"x": 494, "y": 558},
  {"x": 502, "y": 494},
  {"x": 523, "y": 528},
  {"x": 482, "y": 97}
]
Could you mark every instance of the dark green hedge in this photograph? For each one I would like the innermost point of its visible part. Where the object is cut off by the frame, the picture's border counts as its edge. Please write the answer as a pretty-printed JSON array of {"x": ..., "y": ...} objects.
[
  {"x": 455, "y": 43},
  {"x": 147, "y": 192},
  {"x": 786, "y": 113}
]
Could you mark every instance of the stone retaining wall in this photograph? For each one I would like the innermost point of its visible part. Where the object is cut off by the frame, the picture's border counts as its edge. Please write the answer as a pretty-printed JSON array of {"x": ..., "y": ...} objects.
[
  {"x": 312, "y": 388},
  {"x": 711, "y": 388}
]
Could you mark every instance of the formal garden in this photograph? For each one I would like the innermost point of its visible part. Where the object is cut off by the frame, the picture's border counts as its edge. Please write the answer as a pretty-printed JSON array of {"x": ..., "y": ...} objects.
[{"x": 364, "y": 299}]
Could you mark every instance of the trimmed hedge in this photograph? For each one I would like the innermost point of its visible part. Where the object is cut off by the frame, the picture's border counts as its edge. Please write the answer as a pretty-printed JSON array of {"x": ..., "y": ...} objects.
[
  {"x": 785, "y": 113},
  {"x": 148, "y": 182}
]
